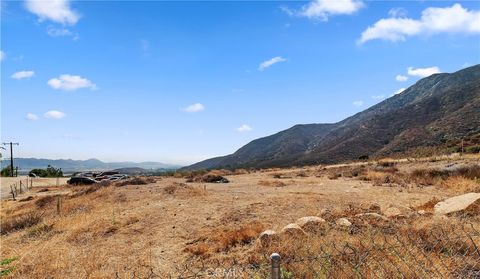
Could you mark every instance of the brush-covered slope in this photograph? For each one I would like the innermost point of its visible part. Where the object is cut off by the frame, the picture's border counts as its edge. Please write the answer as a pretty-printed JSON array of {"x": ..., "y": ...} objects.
[{"x": 434, "y": 110}]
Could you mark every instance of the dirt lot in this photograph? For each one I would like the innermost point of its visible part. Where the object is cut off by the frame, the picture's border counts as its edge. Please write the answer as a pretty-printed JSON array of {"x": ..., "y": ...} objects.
[
  {"x": 5, "y": 183},
  {"x": 136, "y": 228}
]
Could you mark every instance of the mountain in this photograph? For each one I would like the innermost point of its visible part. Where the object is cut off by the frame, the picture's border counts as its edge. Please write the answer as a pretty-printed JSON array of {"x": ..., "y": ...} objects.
[
  {"x": 434, "y": 111},
  {"x": 69, "y": 165}
]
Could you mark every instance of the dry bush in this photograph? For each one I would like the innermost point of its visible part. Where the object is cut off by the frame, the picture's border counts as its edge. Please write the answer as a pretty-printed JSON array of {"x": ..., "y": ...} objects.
[
  {"x": 184, "y": 190},
  {"x": 221, "y": 172},
  {"x": 208, "y": 178},
  {"x": 46, "y": 200},
  {"x": 240, "y": 171},
  {"x": 39, "y": 230},
  {"x": 428, "y": 206},
  {"x": 223, "y": 240},
  {"x": 460, "y": 184},
  {"x": 280, "y": 175},
  {"x": 79, "y": 191},
  {"x": 271, "y": 183},
  {"x": 16, "y": 223},
  {"x": 135, "y": 181}
]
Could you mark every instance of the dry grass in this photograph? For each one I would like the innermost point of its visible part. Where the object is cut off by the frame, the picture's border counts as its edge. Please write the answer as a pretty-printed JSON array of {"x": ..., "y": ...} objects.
[
  {"x": 104, "y": 231},
  {"x": 17, "y": 223},
  {"x": 460, "y": 184},
  {"x": 223, "y": 240},
  {"x": 271, "y": 183}
]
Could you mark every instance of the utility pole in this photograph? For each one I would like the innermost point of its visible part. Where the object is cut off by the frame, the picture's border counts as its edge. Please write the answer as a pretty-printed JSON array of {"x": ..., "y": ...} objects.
[{"x": 11, "y": 155}]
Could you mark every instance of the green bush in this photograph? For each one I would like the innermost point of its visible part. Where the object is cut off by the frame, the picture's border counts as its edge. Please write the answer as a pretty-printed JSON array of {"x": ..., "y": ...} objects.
[{"x": 48, "y": 172}]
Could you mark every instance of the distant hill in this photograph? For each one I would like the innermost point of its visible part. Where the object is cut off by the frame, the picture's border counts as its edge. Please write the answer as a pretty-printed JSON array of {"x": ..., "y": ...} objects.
[
  {"x": 69, "y": 165},
  {"x": 436, "y": 110}
]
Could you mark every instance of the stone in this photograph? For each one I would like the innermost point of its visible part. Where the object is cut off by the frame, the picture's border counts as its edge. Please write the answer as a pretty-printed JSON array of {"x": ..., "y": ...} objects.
[
  {"x": 455, "y": 204},
  {"x": 293, "y": 229},
  {"x": 392, "y": 212},
  {"x": 267, "y": 237},
  {"x": 371, "y": 215},
  {"x": 311, "y": 223},
  {"x": 343, "y": 222}
]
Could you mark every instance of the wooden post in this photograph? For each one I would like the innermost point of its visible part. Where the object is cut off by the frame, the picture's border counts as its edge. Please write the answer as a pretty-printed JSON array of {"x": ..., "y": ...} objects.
[
  {"x": 275, "y": 259},
  {"x": 31, "y": 182},
  {"x": 13, "y": 193},
  {"x": 59, "y": 205},
  {"x": 58, "y": 181},
  {"x": 21, "y": 190}
]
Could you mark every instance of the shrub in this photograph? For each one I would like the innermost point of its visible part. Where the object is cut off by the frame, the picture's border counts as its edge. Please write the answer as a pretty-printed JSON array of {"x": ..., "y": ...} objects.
[{"x": 20, "y": 222}]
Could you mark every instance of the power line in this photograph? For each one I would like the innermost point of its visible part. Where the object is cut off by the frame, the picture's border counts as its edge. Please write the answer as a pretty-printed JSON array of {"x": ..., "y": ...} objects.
[{"x": 11, "y": 155}]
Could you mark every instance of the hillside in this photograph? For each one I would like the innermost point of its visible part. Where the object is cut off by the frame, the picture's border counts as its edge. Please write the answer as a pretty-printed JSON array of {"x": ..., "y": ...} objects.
[
  {"x": 26, "y": 164},
  {"x": 436, "y": 110}
]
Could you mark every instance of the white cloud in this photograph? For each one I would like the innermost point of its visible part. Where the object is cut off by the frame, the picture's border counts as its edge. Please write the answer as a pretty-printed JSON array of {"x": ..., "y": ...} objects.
[
  {"x": 323, "y": 9},
  {"x": 61, "y": 32},
  {"x": 244, "y": 128},
  {"x": 2, "y": 55},
  {"x": 399, "y": 91},
  {"x": 54, "y": 10},
  {"x": 266, "y": 64},
  {"x": 194, "y": 108},
  {"x": 22, "y": 75},
  {"x": 54, "y": 114},
  {"x": 358, "y": 103},
  {"x": 397, "y": 12},
  {"x": 378, "y": 97},
  {"x": 31, "y": 116},
  {"x": 454, "y": 19},
  {"x": 70, "y": 83},
  {"x": 401, "y": 78},
  {"x": 422, "y": 72}
]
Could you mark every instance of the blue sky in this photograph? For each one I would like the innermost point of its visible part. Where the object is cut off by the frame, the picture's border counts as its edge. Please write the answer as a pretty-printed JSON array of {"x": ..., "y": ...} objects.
[{"x": 178, "y": 82}]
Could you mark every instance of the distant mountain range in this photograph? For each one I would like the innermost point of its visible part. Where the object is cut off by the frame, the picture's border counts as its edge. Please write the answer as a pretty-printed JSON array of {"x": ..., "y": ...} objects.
[
  {"x": 68, "y": 165},
  {"x": 434, "y": 111}
]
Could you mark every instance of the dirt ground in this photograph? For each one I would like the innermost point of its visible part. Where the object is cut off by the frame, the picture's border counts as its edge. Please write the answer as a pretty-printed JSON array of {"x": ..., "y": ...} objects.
[
  {"x": 5, "y": 183},
  {"x": 116, "y": 229}
]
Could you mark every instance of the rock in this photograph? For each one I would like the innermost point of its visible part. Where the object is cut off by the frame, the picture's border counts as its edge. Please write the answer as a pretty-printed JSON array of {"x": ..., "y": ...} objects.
[
  {"x": 293, "y": 229},
  {"x": 267, "y": 237},
  {"x": 343, "y": 222},
  {"x": 311, "y": 223},
  {"x": 371, "y": 215},
  {"x": 455, "y": 204},
  {"x": 392, "y": 212},
  {"x": 421, "y": 212}
]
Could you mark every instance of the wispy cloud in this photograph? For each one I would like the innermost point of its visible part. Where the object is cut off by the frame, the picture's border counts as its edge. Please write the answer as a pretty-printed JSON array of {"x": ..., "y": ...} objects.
[
  {"x": 323, "y": 9},
  {"x": 31, "y": 116},
  {"x": 244, "y": 128},
  {"x": 54, "y": 114},
  {"x": 55, "y": 10},
  {"x": 23, "y": 75},
  {"x": 454, "y": 19},
  {"x": 401, "y": 78},
  {"x": 2, "y": 55},
  {"x": 70, "y": 83},
  {"x": 62, "y": 32},
  {"x": 358, "y": 103},
  {"x": 266, "y": 64},
  {"x": 423, "y": 72},
  {"x": 194, "y": 108}
]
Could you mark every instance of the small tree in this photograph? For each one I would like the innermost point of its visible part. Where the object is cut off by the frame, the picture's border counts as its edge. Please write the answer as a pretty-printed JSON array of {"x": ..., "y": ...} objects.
[{"x": 6, "y": 171}]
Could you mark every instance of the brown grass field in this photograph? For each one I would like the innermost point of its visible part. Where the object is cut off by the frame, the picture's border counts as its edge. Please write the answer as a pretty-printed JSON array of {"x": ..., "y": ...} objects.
[{"x": 168, "y": 226}]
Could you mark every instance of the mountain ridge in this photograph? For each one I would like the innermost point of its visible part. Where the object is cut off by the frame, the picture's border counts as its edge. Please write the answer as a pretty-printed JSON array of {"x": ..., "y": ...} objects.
[
  {"x": 26, "y": 164},
  {"x": 433, "y": 111}
]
